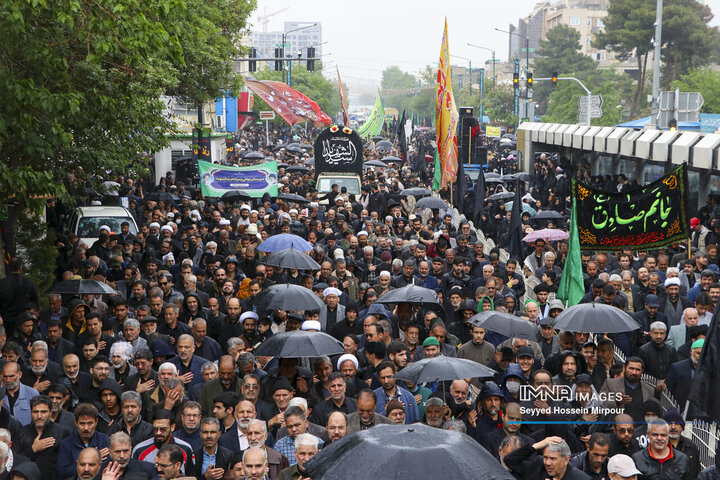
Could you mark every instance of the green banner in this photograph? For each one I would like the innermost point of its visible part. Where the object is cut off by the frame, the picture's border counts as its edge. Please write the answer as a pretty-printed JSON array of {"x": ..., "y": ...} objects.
[
  {"x": 373, "y": 125},
  {"x": 255, "y": 180}
]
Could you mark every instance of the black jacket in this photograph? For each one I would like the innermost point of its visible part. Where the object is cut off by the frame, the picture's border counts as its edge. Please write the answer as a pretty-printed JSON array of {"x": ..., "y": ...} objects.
[
  {"x": 658, "y": 359},
  {"x": 46, "y": 460},
  {"x": 527, "y": 461},
  {"x": 675, "y": 468},
  {"x": 222, "y": 460}
]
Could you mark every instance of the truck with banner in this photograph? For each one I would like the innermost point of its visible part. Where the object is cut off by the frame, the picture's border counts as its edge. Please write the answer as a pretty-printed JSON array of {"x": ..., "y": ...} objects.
[{"x": 338, "y": 159}]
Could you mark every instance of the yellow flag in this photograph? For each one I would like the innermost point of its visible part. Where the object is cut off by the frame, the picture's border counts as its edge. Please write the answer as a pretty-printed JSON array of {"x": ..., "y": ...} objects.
[{"x": 446, "y": 116}]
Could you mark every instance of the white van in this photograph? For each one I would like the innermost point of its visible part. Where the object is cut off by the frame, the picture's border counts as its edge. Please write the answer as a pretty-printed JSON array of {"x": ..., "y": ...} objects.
[{"x": 85, "y": 222}]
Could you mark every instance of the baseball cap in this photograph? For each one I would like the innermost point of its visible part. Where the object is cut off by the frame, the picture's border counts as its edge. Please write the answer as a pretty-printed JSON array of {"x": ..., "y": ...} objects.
[
  {"x": 694, "y": 221},
  {"x": 525, "y": 351},
  {"x": 652, "y": 301},
  {"x": 623, "y": 466}
]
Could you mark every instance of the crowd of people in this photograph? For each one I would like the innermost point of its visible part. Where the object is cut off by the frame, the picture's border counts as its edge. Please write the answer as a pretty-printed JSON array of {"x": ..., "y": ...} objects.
[{"x": 160, "y": 381}]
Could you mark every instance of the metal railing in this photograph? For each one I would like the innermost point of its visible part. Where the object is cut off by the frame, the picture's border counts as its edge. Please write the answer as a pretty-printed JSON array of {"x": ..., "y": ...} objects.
[{"x": 706, "y": 437}]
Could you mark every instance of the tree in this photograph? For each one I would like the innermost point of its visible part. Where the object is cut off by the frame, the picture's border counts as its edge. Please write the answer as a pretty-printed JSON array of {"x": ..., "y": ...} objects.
[
  {"x": 559, "y": 53},
  {"x": 703, "y": 80},
  {"x": 81, "y": 83},
  {"x": 394, "y": 79}
]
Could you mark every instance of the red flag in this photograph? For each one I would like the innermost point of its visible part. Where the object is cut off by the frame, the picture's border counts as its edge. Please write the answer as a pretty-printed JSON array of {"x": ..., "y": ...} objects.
[
  {"x": 291, "y": 105},
  {"x": 343, "y": 102}
]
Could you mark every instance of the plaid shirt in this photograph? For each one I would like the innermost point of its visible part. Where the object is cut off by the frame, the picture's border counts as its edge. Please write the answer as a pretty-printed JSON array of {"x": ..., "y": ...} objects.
[{"x": 286, "y": 446}]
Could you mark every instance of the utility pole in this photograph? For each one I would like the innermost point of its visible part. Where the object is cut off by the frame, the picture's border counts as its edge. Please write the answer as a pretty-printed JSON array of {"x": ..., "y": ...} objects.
[
  {"x": 284, "y": 36},
  {"x": 493, "y": 61},
  {"x": 656, "y": 63},
  {"x": 587, "y": 92}
]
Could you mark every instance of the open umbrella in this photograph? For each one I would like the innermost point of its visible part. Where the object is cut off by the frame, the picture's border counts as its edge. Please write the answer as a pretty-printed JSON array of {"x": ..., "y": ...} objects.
[
  {"x": 405, "y": 451},
  {"x": 290, "y": 258},
  {"x": 299, "y": 344},
  {"x": 111, "y": 188},
  {"x": 293, "y": 145},
  {"x": 391, "y": 158},
  {"x": 306, "y": 146},
  {"x": 383, "y": 145},
  {"x": 234, "y": 195},
  {"x": 292, "y": 197},
  {"x": 416, "y": 192},
  {"x": 492, "y": 175},
  {"x": 548, "y": 215},
  {"x": 286, "y": 296},
  {"x": 378, "y": 138},
  {"x": 160, "y": 196},
  {"x": 279, "y": 146},
  {"x": 493, "y": 180},
  {"x": 283, "y": 241},
  {"x": 522, "y": 176},
  {"x": 283, "y": 165},
  {"x": 253, "y": 155},
  {"x": 525, "y": 207},
  {"x": 374, "y": 163},
  {"x": 82, "y": 287},
  {"x": 409, "y": 294},
  {"x": 505, "y": 324},
  {"x": 595, "y": 318},
  {"x": 551, "y": 234},
  {"x": 501, "y": 196},
  {"x": 296, "y": 150},
  {"x": 443, "y": 369},
  {"x": 431, "y": 202},
  {"x": 297, "y": 168}
]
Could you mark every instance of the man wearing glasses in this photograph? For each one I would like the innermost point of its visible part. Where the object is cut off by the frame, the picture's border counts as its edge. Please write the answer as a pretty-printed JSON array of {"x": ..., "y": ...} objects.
[
  {"x": 149, "y": 450},
  {"x": 169, "y": 462},
  {"x": 623, "y": 441}
]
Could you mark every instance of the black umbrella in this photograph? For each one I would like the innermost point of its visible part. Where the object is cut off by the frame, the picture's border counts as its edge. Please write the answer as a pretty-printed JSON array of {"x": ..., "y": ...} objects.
[
  {"x": 279, "y": 146},
  {"x": 505, "y": 324},
  {"x": 283, "y": 165},
  {"x": 391, "y": 158},
  {"x": 548, "y": 215},
  {"x": 595, "y": 318},
  {"x": 493, "y": 180},
  {"x": 405, "y": 451},
  {"x": 492, "y": 175},
  {"x": 297, "y": 150},
  {"x": 293, "y": 197},
  {"x": 378, "y": 138},
  {"x": 306, "y": 146},
  {"x": 501, "y": 196},
  {"x": 383, "y": 145},
  {"x": 522, "y": 176},
  {"x": 286, "y": 296},
  {"x": 443, "y": 368},
  {"x": 233, "y": 195},
  {"x": 297, "y": 168},
  {"x": 160, "y": 196},
  {"x": 290, "y": 258},
  {"x": 431, "y": 202},
  {"x": 374, "y": 163},
  {"x": 299, "y": 344},
  {"x": 410, "y": 294},
  {"x": 82, "y": 287},
  {"x": 293, "y": 145},
  {"x": 253, "y": 155},
  {"x": 508, "y": 178},
  {"x": 416, "y": 192}
]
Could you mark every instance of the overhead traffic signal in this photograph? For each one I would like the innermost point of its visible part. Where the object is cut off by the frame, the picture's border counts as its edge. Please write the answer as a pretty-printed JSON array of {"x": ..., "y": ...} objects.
[
  {"x": 529, "y": 79},
  {"x": 516, "y": 80},
  {"x": 279, "y": 54},
  {"x": 554, "y": 79},
  {"x": 252, "y": 64},
  {"x": 310, "y": 62},
  {"x": 672, "y": 125}
]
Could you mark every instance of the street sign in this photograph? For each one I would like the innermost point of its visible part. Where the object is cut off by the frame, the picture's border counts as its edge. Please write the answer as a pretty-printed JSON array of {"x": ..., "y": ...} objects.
[
  {"x": 531, "y": 50},
  {"x": 269, "y": 115},
  {"x": 497, "y": 60},
  {"x": 282, "y": 45},
  {"x": 680, "y": 106},
  {"x": 596, "y": 103}
]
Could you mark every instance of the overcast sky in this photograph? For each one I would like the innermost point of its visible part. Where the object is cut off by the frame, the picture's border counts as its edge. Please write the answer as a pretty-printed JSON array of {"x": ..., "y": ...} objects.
[{"x": 366, "y": 36}]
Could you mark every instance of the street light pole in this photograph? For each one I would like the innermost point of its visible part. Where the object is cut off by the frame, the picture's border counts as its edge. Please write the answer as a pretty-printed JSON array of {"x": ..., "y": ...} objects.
[
  {"x": 656, "y": 63},
  {"x": 469, "y": 68},
  {"x": 284, "y": 36},
  {"x": 527, "y": 56},
  {"x": 493, "y": 59}
]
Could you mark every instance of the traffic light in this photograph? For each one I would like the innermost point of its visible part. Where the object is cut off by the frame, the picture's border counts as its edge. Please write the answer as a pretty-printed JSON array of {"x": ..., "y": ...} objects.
[
  {"x": 529, "y": 79},
  {"x": 310, "y": 61},
  {"x": 516, "y": 80},
  {"x": 554, "y": 79},
  {"x": 279, "y": 54},
  {"x": 252, "y": 64},
  {"x": 672, "y": 125}
]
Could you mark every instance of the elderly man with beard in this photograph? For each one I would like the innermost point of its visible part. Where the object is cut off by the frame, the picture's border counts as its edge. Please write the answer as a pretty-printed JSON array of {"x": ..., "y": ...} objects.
[
  {"x": 254, "y": 466},
  {"x": 680, "y": 375},
  {"x": 131, "y": 422},
  {"x": 683, "y": 444},
  {"x": 40, "y": 440},
  {"x": 306, "y": 447},
  {"x": 120, "y": 355},
  {"x": 120, "y": 449},
  {"x": 338, "y": 401},
  {"x": 188, "y": 364},
  {"x": 297, "y": 424},
  {"x": 257, "y": 435},
  {"x": 548, "y": 458},
  {"x": 74, "y": 378},
  {"x": 366, "y": 417},
  {"x": 41, "y": 372},
  {"x": 235, "y": 439}
]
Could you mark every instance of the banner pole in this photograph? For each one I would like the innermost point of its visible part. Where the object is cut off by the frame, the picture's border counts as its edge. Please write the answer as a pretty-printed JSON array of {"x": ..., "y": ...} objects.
[
  {"x": 267, "y": 131},
  {"x": 689, "y": 248}
]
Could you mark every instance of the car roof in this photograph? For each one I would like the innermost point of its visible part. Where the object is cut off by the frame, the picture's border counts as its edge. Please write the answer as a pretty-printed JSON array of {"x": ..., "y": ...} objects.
[{"x": 103, "y": 211}]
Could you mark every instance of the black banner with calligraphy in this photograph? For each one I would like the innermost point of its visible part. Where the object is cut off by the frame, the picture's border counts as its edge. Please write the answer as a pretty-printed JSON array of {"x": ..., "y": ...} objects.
[{"x": 650, "y": 217}]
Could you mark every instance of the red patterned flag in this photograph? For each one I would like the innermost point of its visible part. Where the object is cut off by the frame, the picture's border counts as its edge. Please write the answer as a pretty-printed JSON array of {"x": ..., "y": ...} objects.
[{"x": 291, "y": 105}]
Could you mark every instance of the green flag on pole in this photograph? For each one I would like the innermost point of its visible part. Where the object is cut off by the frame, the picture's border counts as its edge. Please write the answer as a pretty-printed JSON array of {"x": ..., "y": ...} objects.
[
  {"x": 572, "y": 285},
  {"x": 374, "y": 123},
  {"x": 437, "y": 177}
]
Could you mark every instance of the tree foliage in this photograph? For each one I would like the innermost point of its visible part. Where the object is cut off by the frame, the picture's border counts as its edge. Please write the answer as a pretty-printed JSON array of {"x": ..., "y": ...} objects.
[
  {"x": 703, "y": 80},
  {"x": 81, "y": 82},
  {"x": 393, "y": 79}
]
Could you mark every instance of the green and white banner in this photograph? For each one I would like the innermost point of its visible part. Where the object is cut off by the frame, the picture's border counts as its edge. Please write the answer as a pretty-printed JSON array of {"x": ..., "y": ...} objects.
[
  {"x": 373, "y": 125},
  {"x": 255, "y": 180}
]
